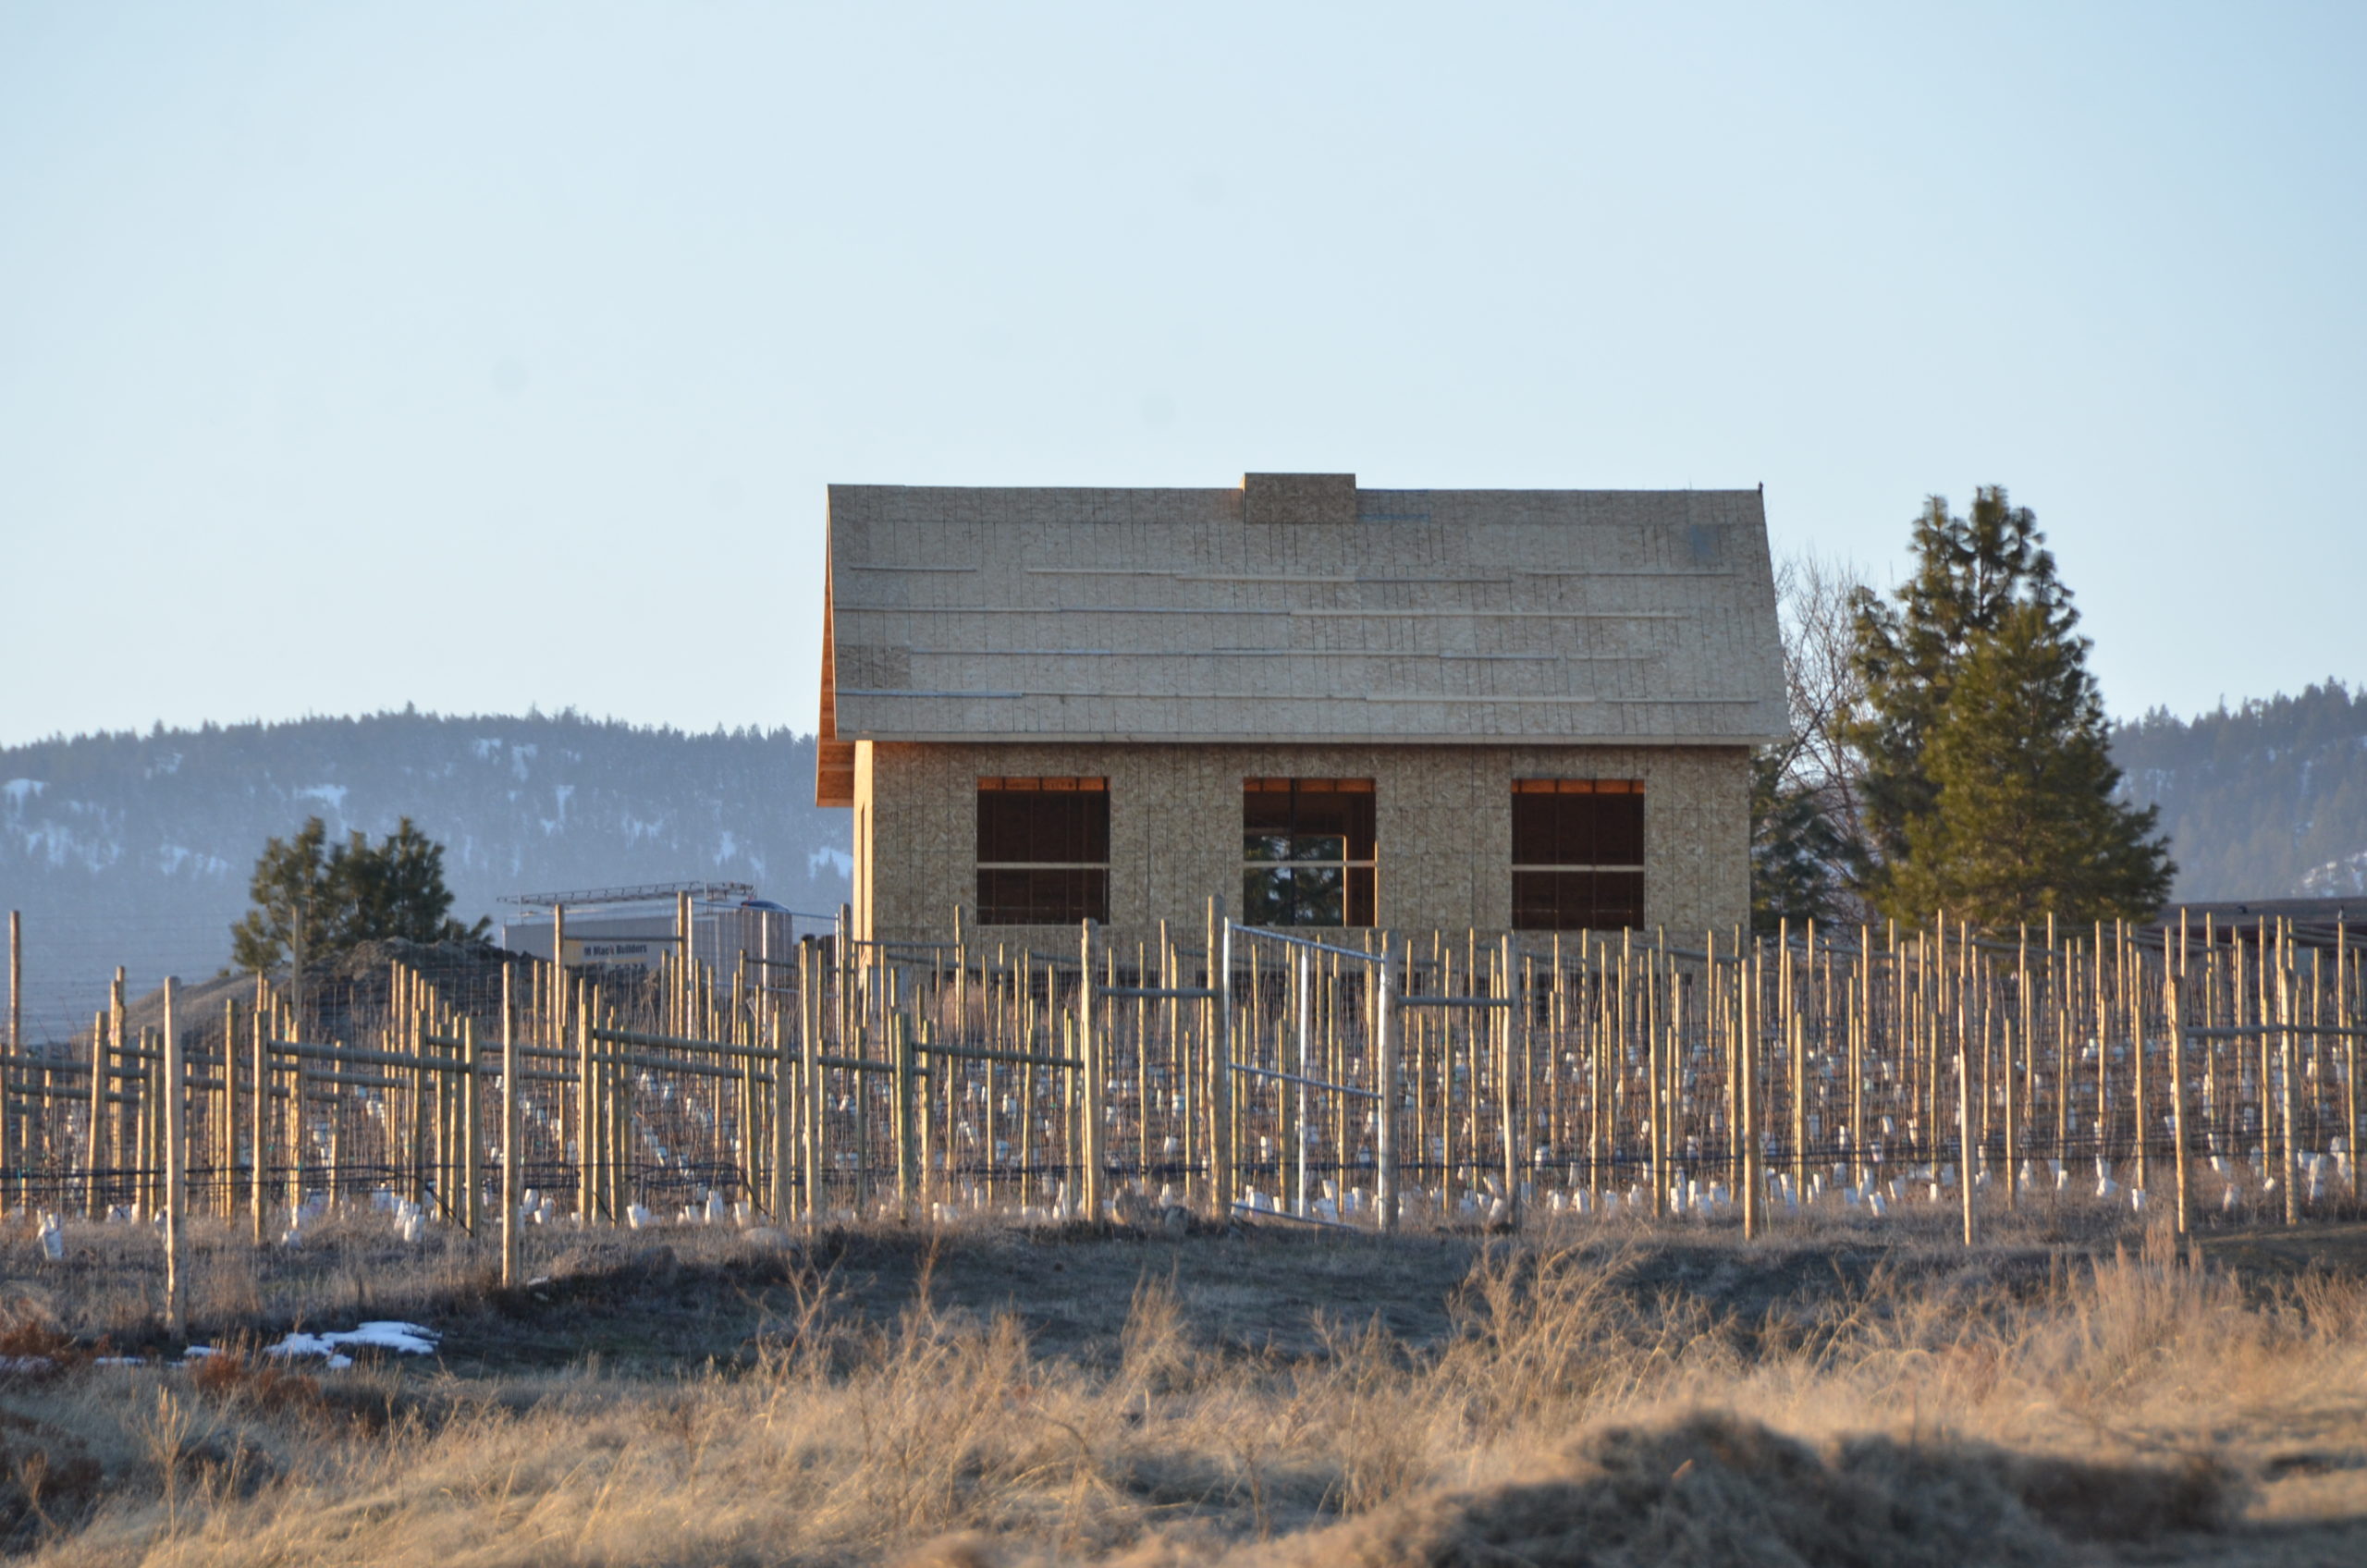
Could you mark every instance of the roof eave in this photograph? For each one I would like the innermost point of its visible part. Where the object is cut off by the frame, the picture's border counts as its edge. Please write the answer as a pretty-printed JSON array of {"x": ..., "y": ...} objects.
[{"x": 1268, "y": 738}]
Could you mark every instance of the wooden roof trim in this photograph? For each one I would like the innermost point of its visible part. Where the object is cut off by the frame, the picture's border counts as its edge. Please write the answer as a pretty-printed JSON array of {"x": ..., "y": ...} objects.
[{"x": 833, "y": 758}]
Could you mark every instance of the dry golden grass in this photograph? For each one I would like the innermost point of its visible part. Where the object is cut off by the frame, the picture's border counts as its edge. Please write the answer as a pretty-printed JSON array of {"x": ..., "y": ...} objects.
[{"x": 1584, "y": 1401}]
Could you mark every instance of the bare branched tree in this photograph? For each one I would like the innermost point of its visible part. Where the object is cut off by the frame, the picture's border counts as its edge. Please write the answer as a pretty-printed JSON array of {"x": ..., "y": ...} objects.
[
  {"x": 1808, "y": 832},
  {"x": 1817, "y": 594}
]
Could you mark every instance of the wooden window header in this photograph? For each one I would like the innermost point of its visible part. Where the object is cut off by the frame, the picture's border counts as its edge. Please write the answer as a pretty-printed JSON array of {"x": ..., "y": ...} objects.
[
  {"x": 1064, "y": 786},
  {"x": 1308, "y": 786},
  {"x": 1577, "y": 786}
]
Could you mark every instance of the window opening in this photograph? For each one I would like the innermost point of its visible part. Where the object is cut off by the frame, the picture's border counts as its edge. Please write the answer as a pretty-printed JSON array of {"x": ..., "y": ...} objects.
[
  {"x": 1307, "y": 851},
  {"x": 1577, "y": 854},
  {"x": 1043, "y": 850}
]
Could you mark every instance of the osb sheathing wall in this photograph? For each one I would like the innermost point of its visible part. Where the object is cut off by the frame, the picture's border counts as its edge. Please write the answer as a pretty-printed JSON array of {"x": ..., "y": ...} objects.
[{"x": 1444, "y": 816}]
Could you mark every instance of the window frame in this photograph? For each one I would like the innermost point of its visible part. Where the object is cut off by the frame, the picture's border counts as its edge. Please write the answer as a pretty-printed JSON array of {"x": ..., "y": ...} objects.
[
  {"x": 1359, "y": 890},
  {"x": 1639, "y": 869},
  {"x": 1094, "y": 905}
]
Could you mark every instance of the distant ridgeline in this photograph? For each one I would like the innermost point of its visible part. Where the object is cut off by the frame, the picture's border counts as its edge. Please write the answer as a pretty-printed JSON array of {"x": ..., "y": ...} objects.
[
  {"x": 2264, "y": 800},
  {"x": 137, "y": 849}
]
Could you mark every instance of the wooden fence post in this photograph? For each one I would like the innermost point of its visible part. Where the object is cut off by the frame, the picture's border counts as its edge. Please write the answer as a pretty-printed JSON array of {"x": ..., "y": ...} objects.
[
  {"x": 2177, "y": 1097},
  {"x": 2344, "y": 1021},
  {"x": 907, "y": 1134},
  {"x": 472, "y": 1127},
  {"x": 176, "y": 1079},
  {"x": 16, "y": 1047},
  {"x": 809, "y": 988},
  {"x": 1964, "y": 1122},
  {"x": 1392, "y": 1024},
  {"x": 1094, "y": 1086},
  {"x": 1219, "y": 1061},
  {"x": 1508, "y": 1078},
  {"x": 512, "y": 1089},
  {"x": 784, "y": 1100},
  {"x": 224, "y": 1151},
  {"x": 587, "y": 1193},
  {"x": 258, "y": 1138},
  {"x": 1295, "y": 1095},
  {"x": 296, "y": 1124},
  {"x": 1747, "y": 970},
  {"x": 2288, "y": 1162},
  {"x": 94, "y": 1139}
]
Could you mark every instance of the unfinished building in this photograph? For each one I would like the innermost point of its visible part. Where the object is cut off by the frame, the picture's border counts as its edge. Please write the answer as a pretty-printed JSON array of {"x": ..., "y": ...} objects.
[{"x": 1492, "y": 710}]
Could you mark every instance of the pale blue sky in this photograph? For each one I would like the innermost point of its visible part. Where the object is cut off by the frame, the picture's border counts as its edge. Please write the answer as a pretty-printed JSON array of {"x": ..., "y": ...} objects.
[{"x": 478, "y": 356}]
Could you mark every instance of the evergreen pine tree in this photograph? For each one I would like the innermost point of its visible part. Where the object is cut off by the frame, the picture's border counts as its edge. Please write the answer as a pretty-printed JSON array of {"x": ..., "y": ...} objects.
[
  {"x": 1970, "y": 572},
  {"x": 1986, "y": 607},
  {"x": 310, "y": 907},
  {"x": 397, "y": 890},
  {"x": 298, "y": 906},
  {"x": 2023, "y": 821}
]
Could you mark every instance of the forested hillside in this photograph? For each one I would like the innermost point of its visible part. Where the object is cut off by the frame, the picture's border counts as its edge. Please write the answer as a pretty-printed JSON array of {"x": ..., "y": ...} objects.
[
  {"x": 137, "y": 849},
  {"x": 2264, "y": 801}
]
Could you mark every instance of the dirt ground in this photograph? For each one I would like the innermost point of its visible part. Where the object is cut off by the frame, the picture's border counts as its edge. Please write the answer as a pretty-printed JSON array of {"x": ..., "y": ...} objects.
[
  {"x": 670, "y": 1304},
  {"x": 2262, "y": 1253},
  {"x": 692, "y": 1306},
  {"x": 676, "y": 1298}
]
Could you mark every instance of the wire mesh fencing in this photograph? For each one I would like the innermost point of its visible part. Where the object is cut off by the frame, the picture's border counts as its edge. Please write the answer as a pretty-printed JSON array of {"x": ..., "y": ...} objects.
[{"x": 1360, "y": 1078}]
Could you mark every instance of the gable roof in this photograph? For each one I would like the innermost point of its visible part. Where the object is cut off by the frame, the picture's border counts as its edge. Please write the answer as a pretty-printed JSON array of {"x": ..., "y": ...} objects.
[{"x": 1295, "y": 607}]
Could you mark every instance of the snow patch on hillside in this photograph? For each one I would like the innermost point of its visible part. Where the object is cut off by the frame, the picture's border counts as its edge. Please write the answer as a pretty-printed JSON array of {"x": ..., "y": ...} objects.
[
  {"x": 59, "y": 845},
  {"x": 172, "y": 858},
  {"x": 2338, "y": 878}
]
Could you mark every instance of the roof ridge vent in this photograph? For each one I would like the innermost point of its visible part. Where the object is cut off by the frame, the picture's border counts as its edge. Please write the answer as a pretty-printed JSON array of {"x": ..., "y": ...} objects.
[{"x": 1298, "y": 497}]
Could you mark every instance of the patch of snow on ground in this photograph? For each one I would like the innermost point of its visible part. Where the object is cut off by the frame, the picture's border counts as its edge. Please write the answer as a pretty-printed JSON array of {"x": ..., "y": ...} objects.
[{"x": 406, "y": 1338}]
